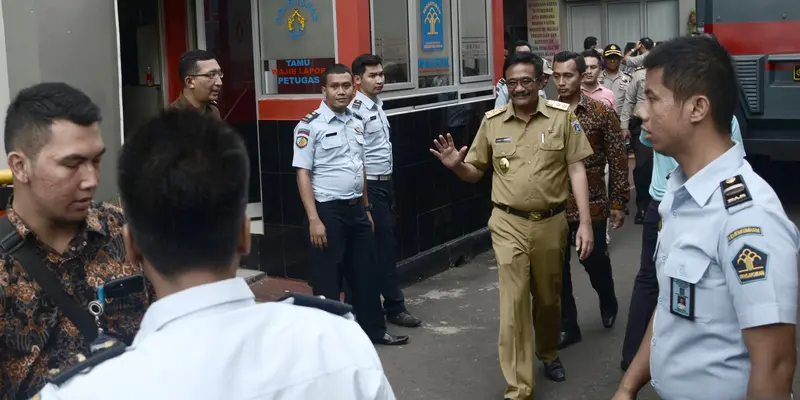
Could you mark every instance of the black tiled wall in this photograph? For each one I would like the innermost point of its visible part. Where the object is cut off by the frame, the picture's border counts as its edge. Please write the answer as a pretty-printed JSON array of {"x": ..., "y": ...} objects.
[{"x": 433, "y": 207}]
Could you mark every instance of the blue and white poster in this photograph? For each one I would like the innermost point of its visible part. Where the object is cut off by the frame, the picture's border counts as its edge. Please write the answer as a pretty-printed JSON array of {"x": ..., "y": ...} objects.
[{"x": 432, "y": 25}]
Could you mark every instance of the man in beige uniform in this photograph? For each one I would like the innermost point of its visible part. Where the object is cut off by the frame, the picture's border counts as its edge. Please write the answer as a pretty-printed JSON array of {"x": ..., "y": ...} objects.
[
  {"x": 533, "y": 145},
  {"x": 201, "y": 76}
]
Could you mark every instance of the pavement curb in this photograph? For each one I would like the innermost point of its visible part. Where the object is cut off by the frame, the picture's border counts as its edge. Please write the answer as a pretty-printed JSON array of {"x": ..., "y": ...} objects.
[{"x": 443, "y": 257}]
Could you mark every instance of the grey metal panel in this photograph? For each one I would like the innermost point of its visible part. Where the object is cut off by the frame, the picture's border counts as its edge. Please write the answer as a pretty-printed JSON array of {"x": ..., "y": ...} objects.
[
  {"x": 749, "y": 70},
  {"x": 727, "y": 11},
  {"x": 75, "y": 42}
]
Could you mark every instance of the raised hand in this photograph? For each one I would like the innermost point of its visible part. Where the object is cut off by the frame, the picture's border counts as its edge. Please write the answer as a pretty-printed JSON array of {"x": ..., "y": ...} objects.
[{"x": 446, "y": 151}]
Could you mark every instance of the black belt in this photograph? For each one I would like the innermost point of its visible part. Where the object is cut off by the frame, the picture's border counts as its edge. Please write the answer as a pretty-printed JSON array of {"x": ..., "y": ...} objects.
[{"x": 533, "y": 215}]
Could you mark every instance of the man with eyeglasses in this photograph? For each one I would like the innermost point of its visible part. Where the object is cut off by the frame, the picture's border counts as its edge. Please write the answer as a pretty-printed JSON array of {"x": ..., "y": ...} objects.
[{"x": 201, "y": 77}]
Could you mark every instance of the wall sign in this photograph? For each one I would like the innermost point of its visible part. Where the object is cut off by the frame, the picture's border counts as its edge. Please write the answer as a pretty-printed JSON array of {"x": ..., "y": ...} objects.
[
  {"x": 432, "y": 25},
  {"x": 303, "y": 76},
  {"x": 295, "y": 14},
  {"x": 544, "y": 27}
]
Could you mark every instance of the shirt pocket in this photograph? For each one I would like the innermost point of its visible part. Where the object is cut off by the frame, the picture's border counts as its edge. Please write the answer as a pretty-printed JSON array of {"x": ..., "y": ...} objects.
[
  {"x": 360, "y": 139},
  {"x": 331, "y": 142},
  {"x": 691, "y": 265},
  {"x": 551, "y": 152},
  {"x": 505, "y": 158}
]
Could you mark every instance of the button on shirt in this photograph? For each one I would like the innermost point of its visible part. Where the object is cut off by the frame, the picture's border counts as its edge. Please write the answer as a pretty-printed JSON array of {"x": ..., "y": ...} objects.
[
  {"x": 214, "y": 342},
  {"x": 378, "y": 147},
  {"x": 719, "y": 253},
  {"x": 331, "y": 146}
]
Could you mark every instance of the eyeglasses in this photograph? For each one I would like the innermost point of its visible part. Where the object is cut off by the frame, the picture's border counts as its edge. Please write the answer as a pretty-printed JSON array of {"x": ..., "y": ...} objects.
[
  {"x": 525, "y": 82},
  {"x": 211, "y": 75}
]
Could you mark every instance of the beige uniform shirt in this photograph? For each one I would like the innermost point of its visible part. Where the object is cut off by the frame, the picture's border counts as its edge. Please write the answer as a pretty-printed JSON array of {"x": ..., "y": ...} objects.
[
  {"x": 618, "y": 84},
  {"x": 529, "y": 159},
  {"x": 634, "y": 98},
  {"x": 183, "y": 102}
]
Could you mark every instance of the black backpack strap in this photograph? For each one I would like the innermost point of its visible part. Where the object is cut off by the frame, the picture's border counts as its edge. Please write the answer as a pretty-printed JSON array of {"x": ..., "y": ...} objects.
[{"x": 24, "y": 251}]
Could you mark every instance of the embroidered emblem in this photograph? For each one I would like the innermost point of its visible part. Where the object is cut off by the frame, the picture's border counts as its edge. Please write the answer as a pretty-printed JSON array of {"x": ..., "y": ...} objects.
[
  {"x": 749, "y": 230},
  {"x": 750, "y": 264}
]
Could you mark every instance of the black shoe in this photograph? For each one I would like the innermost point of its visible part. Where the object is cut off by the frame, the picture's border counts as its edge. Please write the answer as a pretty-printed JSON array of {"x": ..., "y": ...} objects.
[
  {"x": 639, "y": 219},
  {"x": 569, "y": 338},
  {"x": 608, "y": 319},
  {"x": 391, "y": 340},
  {"x": 404, "y": 319},
  {"x": 554, "y": 371}
]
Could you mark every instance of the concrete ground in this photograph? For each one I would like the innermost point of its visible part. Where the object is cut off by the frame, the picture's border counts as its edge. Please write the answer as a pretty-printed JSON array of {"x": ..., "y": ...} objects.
[{"x": 453, "y": 356}]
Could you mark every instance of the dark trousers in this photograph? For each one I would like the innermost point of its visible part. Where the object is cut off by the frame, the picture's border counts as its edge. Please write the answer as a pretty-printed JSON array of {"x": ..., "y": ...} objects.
[
  {"x": 381, "y": 197},
  {"x": 643, "y": 170},
  {"x": 598, "y": 266},
  {"x": 645, "y": 287},
  {"x": 349, "y": 257}
]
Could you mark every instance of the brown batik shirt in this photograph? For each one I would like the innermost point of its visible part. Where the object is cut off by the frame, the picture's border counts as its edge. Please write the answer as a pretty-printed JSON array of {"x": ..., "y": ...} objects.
[
  {"x": 34, "y": 336},
  {"x": 601, "y": 126},
  {"x": 183, "y": 103}
]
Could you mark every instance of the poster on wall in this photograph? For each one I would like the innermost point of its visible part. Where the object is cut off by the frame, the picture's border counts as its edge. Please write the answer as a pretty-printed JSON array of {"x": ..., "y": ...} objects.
[
  {"x": 544, "y": 28},
  {"x": 298, "y": 76},
  {"x": 432, "y": 27}
]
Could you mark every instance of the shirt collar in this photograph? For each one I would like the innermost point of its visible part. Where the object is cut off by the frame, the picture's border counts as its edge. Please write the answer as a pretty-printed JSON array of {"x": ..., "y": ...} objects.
[
  {"x": 328, "y": 114},
  {"x": 93, "y": 222},
  {"x": 232, "y": 291},
  {"x": 706, "y": 181},
  {"x": 541, "y": 108},
  {"x": 366, "y": 101}
]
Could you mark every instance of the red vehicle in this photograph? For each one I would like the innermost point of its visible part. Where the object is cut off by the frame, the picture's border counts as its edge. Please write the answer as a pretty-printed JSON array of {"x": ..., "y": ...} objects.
[{"x": 762, "y": 37}]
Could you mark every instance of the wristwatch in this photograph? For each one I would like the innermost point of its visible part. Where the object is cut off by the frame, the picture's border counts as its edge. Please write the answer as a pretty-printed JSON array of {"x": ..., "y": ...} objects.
[{"x": 368, "y": 207}]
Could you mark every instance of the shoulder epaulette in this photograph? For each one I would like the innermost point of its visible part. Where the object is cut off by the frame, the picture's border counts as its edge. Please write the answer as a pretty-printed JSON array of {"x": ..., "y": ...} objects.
[
  {"x": 497, "y": 111},
  {"x": 356, "y": 104},
  {"x": 501, "y": 82},
  {"x": 357, "y": 115},
  {"x": 320, "y": 303},
  {"x": 735, "y": 192},
  {"x": 104, "y": 352},
  {"x": 557, "y": 105},
  {"x": 310, "y": 117},
  {"x": 639, "y": 68}
]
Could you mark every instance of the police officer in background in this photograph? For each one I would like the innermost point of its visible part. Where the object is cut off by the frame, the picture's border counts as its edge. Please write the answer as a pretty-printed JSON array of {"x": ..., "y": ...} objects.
[
  {"x": 631, "y": 126},
  {"x": 501, "y": 89},
  {"x": 183, "y": 179},
  {"x": 329, "y": 159},
  {"x": 368, "y": 74},
  {"x": 614, "y": 78},
  {"x": 532, "y": 145},
  {"x": 726, "y": 259}
]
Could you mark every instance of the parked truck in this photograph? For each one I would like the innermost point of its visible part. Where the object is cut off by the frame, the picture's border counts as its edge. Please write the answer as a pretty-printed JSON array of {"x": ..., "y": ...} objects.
[{"x": 763, "y": 36}]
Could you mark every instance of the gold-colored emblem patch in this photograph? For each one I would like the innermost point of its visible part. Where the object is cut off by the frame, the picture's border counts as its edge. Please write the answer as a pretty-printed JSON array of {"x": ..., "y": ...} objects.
[
  {"x": 748, "y": 230},
  {"x": 750, "y": 264}
]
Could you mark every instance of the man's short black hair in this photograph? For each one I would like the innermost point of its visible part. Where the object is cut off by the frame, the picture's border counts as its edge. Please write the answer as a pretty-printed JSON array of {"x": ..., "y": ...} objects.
[
  {"x": 565, "y": 56},
  {"x": 520, "y": 43},
  {"x": 591, "y": 53},
  {"x": 34, "y": 110},
  {"x": 698, "y": 65},
  {"x": 524, "y": 57},
  {"x": 188, "y": 63},
  {"x": 647, "y": 43},
  {"x": 589, "y": 42},
  {"x": 334, "y": 70},
  {"x": 183, "y": 180},
  {"x": 363, "y": 61}
]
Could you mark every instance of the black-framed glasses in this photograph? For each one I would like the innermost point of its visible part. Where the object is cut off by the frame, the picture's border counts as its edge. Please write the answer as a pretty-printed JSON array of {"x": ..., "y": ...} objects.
[
  {"x": 525, "y": 82},
  {"x": 211, "y": 75}
]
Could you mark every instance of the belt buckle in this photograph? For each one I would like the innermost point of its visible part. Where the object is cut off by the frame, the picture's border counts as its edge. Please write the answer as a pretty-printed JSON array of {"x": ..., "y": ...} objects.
[
  {"x": 353, "y": 202},
  {"x": 534, "y": 216}
]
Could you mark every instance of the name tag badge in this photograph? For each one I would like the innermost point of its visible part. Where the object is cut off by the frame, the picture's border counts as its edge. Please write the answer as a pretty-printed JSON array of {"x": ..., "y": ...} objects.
[
  {"x": 331, "y": 134},
  {"x": 681, "y": 301},
  {"x": 503, "y": 140}
]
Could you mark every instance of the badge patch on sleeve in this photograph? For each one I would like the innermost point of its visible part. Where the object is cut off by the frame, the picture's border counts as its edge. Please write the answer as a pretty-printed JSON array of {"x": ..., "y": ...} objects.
[
  {"x": 750, "y": 264},
  {"x": 748, "y": 230},
  {"x": 301, "y": 141}
]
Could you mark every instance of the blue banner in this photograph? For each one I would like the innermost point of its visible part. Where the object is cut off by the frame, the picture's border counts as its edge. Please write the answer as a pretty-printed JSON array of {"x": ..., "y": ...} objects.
[{"x": 432, "y": 17}]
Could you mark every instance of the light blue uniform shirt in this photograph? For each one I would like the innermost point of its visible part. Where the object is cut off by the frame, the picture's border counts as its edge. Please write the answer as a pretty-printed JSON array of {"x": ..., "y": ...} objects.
[
  {"x": 331, "y": 146},
  {"x": 733, "y": 269},
  {"x": 378, "y": 147},
  {"x": 663, "y": 165}
]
